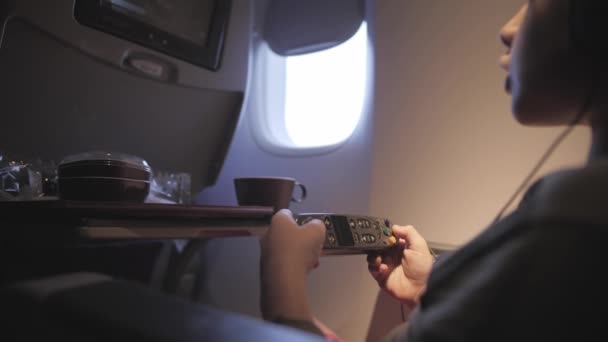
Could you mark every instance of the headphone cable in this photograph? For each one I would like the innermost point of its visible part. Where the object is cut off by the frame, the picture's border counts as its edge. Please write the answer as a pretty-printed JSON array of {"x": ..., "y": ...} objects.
[{"x": 558, "y": 140}]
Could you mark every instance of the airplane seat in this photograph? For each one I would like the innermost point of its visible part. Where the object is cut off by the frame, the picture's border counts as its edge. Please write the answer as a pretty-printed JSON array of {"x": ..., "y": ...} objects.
[
  {"x": 73, "y": 87},
  {"x": 96, "y": 307},
  {"x": 145, "y": 262},
  {"x": 70, "y": 86}
]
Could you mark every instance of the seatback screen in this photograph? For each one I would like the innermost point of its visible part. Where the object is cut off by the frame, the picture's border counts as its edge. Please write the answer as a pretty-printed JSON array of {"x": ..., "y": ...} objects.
[
  {"x": 191, "y": 30},
  {"x": 186, "y": 19}
]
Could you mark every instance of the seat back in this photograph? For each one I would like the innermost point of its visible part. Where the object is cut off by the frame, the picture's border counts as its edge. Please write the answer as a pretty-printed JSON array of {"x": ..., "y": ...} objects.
[{"x": 95, "y": 307}]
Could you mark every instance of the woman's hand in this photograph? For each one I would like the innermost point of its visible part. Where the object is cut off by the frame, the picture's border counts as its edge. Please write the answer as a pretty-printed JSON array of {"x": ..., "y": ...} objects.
[
  {"x": 403, "y": 270},
  {"x": 288, "y": 253}
]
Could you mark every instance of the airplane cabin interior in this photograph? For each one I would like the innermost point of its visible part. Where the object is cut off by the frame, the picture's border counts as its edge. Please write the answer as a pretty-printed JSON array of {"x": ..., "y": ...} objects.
[{"x": 125, "y": 125}]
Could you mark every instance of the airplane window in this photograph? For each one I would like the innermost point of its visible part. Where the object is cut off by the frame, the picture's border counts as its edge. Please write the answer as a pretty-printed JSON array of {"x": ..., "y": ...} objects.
[{"x": 313, "y": 103}]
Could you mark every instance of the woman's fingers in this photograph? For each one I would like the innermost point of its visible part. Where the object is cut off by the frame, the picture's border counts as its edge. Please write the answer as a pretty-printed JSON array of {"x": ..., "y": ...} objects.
[{"x": 413, "y": 239}]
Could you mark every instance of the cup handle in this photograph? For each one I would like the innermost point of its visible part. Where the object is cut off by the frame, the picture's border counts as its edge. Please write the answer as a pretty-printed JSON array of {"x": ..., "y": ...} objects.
[{"x": 303, "y": 193}]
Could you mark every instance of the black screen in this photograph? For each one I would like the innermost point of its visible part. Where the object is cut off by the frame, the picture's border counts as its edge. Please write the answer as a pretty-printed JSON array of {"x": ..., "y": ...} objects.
[
  {"x": 186, "y": 19},
  {"x": 345, "y": 237},
  {"x": 191, "y": 30}
]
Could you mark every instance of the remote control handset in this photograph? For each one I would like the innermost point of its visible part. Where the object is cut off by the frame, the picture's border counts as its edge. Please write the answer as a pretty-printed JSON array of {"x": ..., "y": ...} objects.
[{"x": 352, "y": 234}]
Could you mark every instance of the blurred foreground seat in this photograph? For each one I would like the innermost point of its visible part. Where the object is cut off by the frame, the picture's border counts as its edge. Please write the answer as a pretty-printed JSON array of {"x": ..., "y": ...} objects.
[{"x": 95, "y": 307}]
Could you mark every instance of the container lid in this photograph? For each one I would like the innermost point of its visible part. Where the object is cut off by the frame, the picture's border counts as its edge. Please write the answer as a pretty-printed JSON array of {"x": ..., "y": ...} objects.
[{"x": 95, "y": 157}]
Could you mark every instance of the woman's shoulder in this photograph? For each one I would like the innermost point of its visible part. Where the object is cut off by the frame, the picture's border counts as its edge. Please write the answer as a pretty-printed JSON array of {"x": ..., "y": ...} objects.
[{"x": 574, "y": 195}]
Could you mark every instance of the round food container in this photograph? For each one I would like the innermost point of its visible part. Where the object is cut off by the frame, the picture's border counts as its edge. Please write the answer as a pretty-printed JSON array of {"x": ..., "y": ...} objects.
[{"x": 104, "y": 176}]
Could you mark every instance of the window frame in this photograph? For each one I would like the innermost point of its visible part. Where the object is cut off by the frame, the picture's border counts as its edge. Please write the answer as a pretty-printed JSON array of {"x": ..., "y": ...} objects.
[{"x": 268, "y": 99}]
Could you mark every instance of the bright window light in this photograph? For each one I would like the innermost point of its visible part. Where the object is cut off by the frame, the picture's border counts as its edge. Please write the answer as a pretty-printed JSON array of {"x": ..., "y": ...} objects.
[{"x": 325, "y": 93}]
